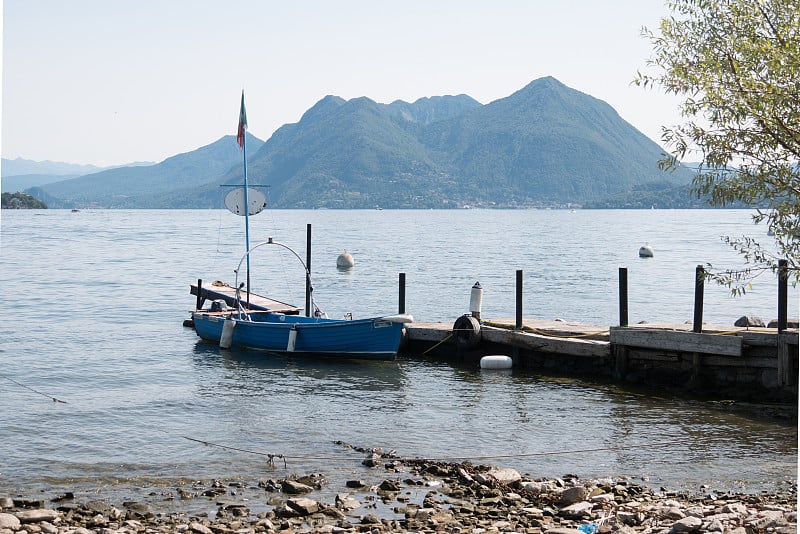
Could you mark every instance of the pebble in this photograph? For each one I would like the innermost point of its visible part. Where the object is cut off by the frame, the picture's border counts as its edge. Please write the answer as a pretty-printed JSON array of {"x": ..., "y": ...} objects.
[{"x": 465, "y": 499}]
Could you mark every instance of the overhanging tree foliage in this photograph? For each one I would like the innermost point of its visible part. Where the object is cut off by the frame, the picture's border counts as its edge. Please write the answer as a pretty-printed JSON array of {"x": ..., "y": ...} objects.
[{"x": 737, "y": 63}]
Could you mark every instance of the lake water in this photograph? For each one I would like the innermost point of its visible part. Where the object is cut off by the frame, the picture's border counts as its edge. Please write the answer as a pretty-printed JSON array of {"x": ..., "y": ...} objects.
[{"x": 94, "y": 303}]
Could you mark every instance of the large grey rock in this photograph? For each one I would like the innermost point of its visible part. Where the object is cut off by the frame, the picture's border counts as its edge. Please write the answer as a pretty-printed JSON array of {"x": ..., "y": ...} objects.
[
  {"x": 767, "y": 519},
  {"x": 749, "y": 320},
  {"x": 790, "y": 323},
  {"x": 630, "y": 518},
  {"x": 735, "y": 508},
  {"x": 295, "y": 488},
  {"x": 200, "y": 528},
  {"x": 9, "y": 521},
  {"x": 97, "y": 521},
  {"x": 687, "y": 524},
  {"x": 672, "y": 512},
  {"x": 578, "y": 509},
  {"x": 34, "y": 516},
  {"x": 573, "y": 495},
  {"x": 504, "y": 475},
  {"x": 345, "y": 502},
  {"x": 303, "y": 506}
]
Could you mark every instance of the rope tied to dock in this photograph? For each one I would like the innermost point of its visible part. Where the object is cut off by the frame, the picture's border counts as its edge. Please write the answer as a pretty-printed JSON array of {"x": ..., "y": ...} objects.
[
  {"x": 532, "y": 330},
  {"x": 447, "y": 338}
]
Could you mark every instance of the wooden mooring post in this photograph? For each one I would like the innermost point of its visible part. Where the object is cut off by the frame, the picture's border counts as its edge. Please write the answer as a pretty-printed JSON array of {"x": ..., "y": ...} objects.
[
  {"x": 783, "y": 290},
  {"x": 401, "y": 290},
  {"x": 785, "y": 375},
  {"x": 200, "y": 299},
  {"x": 623, "y": 296},
  {"x": 518, "y": 324},
  {"x": 697, "y": 326},
  {"x": 699, "y": 283},
  {"x": 308, "y": 270},
  {"x": 621, "y": 351}
]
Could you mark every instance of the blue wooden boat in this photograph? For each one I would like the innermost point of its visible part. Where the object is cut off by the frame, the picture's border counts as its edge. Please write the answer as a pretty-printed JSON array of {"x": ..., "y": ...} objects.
[{"x": 374, "y": 338}]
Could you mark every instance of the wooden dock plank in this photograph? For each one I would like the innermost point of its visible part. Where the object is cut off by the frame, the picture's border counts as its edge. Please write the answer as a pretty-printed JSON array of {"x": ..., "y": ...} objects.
[
  {"x": 561, "y": 341},
  {"x": 222, "y": 291},
  {"x": 677, "y": 340},
  {"x": 542, "y": 343}
]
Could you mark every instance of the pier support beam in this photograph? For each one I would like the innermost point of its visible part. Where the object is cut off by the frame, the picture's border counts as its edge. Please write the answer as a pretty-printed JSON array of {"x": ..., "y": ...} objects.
[{"x": 620, "y": 362}]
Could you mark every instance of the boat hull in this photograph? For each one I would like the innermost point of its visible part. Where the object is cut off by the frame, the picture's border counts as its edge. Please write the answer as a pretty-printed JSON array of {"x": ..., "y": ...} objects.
[{"x": 376, "y": 338}]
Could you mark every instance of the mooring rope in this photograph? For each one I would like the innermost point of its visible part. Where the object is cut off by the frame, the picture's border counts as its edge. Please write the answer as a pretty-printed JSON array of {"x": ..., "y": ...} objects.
[
  {"x": 439, "y": 343},
  {"x": 525, "y": 328}
]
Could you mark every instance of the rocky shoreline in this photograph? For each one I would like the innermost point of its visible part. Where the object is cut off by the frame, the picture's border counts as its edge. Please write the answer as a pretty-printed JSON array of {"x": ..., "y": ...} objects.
[{"x": 414, "y": 496}]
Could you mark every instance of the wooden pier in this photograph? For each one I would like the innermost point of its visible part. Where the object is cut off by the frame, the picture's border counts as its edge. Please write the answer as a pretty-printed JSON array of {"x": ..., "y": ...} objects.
[
  {"x": 221, "y": 291},
  {"x": 741, "y": 363},
  {"x": 754, "y": 364}
]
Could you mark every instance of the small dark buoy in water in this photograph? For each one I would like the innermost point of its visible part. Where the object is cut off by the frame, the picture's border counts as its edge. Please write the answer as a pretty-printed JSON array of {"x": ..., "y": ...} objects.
[
  {"x": 345, "y": 261},
  {"x": 646, "y": 251}
]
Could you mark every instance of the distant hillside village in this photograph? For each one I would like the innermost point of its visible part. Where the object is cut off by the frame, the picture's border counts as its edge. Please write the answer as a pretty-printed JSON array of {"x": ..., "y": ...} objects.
[
  {"x": 21, "y": 201},
  {"x": 545, "y": 146}
]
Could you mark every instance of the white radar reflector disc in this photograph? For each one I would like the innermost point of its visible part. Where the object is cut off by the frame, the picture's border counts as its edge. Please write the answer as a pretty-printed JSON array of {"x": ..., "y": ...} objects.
[{"x": 234, "y": 201}]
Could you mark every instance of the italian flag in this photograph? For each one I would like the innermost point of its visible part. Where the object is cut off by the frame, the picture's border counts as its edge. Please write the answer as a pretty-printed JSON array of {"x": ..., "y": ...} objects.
[{"x": 242, "y": 124}]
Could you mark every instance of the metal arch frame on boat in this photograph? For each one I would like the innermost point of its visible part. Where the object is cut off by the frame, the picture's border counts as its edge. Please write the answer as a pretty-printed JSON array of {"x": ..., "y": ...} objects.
[{"x": 271, "y": 241}]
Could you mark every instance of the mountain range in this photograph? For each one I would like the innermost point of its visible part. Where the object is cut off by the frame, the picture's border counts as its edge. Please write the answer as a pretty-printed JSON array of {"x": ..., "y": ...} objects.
[{"x": 544, "y": 145}]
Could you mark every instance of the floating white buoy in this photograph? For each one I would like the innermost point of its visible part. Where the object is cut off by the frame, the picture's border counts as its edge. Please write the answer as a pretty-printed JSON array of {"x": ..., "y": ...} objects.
[
  {"x": 646, "y": 251},
  {"x": 345, "y": 261},
  {"x": 496, "y": 361}
]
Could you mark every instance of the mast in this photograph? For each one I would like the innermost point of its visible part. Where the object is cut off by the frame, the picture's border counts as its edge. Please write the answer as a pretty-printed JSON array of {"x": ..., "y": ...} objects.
[{"x": 241, "y": 139}]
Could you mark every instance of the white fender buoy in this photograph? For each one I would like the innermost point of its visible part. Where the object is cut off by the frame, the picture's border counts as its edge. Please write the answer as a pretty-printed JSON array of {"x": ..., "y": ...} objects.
[
  {"x": 226, "y": 338},
  {"x": 646, "y": 251},
  {"x": 292, "y": 339},
  {"x": 475, "y": 300},
  {"x": 345, "y": 261},
  {"x": 496, "y": 361}
]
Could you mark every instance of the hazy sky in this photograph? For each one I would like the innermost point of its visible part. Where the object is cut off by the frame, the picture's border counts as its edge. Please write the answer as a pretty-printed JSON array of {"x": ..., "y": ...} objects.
[{"x": 116, "y": 81}]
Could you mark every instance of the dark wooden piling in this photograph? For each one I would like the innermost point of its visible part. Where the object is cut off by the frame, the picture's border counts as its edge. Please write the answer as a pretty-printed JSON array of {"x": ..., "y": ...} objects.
[
  {"x": 308, "y": 270},
  {"x": 620, "y": 353},
  {"x": 783, "y": 290},
  {"x": 200, "y": 299},
  {"x": 518, "y": 324},
  {"x": 623, "y": 296},
  {"x": 401, "y": 282},
  {"x": 699, "y": 284}
]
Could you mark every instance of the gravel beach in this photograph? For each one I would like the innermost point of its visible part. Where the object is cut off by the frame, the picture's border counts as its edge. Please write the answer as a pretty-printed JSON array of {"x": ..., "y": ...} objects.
[{"x": 414, "y": 496}]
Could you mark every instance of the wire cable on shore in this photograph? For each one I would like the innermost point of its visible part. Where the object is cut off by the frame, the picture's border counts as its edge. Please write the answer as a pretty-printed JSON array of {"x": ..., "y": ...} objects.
[
  {"x": 272, "y": 456},
  {"x": 54, "y": 399}
]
